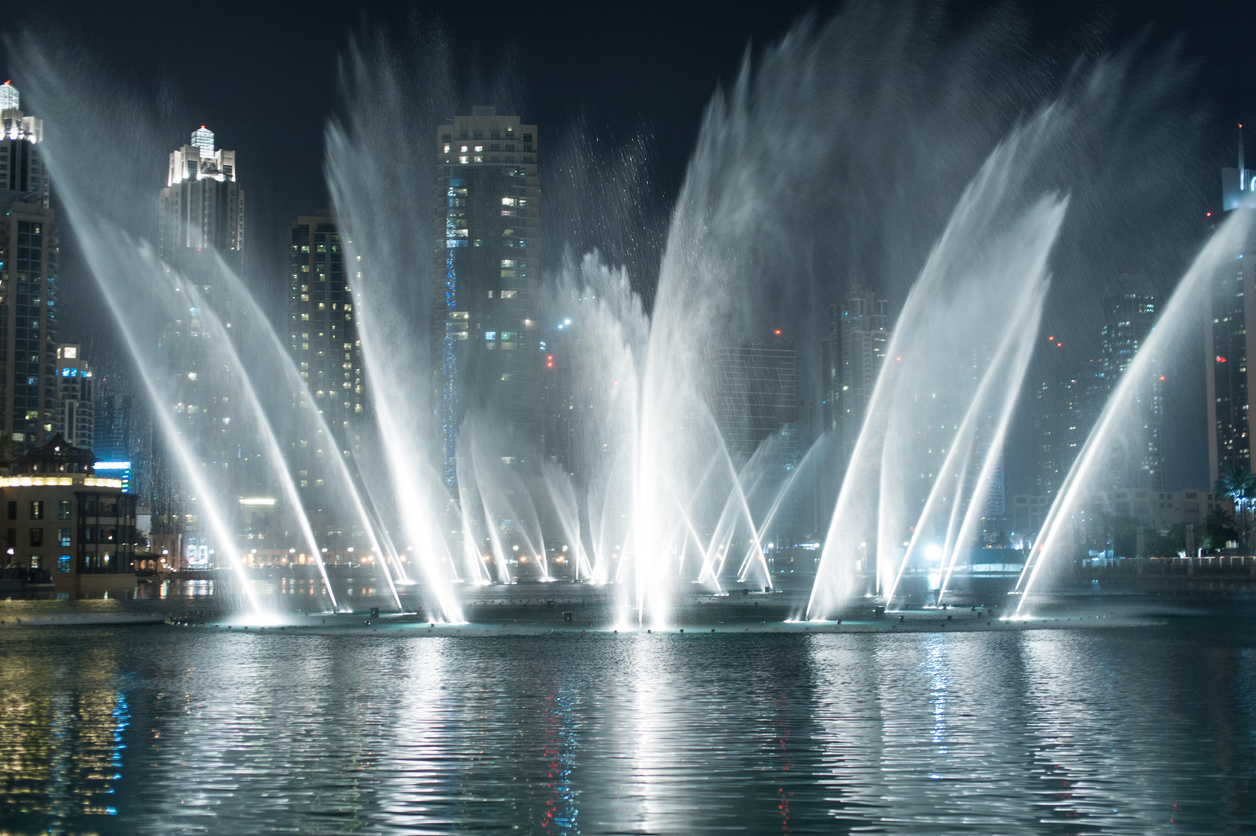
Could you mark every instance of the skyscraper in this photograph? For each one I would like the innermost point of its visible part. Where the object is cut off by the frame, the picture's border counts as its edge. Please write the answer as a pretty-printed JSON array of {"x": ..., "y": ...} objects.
[
  {"x": 757, "y": 406},
  {"x": 756, "y": 397},
  {"x": 201, "y": 228},
  {"x": 1129, "y": 317},
  {"x": 28, "y": 273},
  {"x": 75, "y": 419},
  {"x": 1064, "y": 412},
  {"x": 323, "y": 342},
  {"x": 116, "y": 437},
  {"x": 203, "y": 200},
  {"x": 1229, "y": 327},
  {"x": 488, "y": 262},
  {"x": 859, "y": 336}
]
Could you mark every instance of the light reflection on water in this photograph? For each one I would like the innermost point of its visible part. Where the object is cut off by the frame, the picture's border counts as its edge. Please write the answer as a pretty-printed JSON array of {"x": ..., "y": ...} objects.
[{"x": 155, "y": 730}]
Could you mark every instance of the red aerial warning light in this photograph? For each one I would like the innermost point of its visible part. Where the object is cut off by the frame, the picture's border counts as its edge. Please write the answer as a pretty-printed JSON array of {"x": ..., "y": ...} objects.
[
  {"x": 549, "y": 361},
  {"x": 1050, "y": 339},
  {"x": 1057, "y": 345},
  {"x": 1207, "y": 214},
  {"x": 1220, "y": 359},
  {"x": 1162, "y": 377},
  {"x": 777, "y": 332}
]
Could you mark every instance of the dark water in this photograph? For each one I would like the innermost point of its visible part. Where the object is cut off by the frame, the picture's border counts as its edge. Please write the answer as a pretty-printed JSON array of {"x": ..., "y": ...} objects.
[{"x": 163, "y": 730}]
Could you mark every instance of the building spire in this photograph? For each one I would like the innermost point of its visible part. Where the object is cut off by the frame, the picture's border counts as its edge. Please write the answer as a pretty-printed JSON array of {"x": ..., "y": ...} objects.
[{"x": 1242, "y": 171}]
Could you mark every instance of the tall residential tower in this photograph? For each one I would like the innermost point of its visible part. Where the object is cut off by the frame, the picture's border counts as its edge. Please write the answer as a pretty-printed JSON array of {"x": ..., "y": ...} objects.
[
  {"x": 488, "y": 259},
  {"x": 1129, "y": 317},
  {"x": 201, "y": 234},
  {"x": 859, "y": 336},
  {"x": 323, "y": 342},
  {"x": 28, "y": 280}
]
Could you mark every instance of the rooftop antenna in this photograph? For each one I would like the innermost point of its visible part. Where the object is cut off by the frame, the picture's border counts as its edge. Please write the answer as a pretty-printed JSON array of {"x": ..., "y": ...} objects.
[{"x": 1242, "y": 173}]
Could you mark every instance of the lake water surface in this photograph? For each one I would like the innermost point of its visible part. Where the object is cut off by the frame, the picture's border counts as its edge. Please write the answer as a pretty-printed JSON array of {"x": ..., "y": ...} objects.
[{"x": 156, "y": 730}]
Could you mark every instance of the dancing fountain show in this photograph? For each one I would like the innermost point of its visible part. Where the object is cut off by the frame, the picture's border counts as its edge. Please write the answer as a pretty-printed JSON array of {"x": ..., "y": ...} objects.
[{"x": 424, "y": 424}]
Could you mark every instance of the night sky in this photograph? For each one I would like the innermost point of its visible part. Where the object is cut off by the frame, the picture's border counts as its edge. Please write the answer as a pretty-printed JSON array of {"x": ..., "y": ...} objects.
[{"x": 263, "y": 77}]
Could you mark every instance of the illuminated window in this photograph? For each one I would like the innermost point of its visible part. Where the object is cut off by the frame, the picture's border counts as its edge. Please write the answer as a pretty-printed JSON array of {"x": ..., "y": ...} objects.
[{"x": 509, "y": 294}]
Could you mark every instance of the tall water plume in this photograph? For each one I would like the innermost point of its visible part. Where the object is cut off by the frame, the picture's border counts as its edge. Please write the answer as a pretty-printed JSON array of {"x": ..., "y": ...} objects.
[
  {"x": 883, "y": 147},
  {"x": 195, "y": 327},
  {"x": 380, "y": 182},
  {"x": 1174, "y": 324}
]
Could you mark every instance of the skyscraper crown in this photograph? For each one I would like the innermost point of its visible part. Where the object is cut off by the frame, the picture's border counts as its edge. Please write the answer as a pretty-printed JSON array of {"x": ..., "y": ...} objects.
[
  {"x": 10, "y": 99},
  {"x": 204, "y": 140}
]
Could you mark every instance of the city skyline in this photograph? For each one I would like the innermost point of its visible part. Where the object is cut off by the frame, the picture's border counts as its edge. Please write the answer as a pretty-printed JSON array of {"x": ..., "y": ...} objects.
[
  {"x": 819, "y": 417},
  {"x": 281, "y": 151},
  {"x": 231, "y": 231}
]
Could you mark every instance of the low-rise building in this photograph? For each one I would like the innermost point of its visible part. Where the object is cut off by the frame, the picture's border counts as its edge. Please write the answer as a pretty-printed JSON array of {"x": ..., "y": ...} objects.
[
  {"x": 61, "y": 517},
  {"x": 1154, "y": 510}
]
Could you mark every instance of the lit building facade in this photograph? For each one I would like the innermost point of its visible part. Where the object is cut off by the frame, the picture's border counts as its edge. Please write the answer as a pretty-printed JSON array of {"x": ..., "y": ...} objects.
[
  {"x": 62, "y": 518},
  {"x": 203, "y": 201},
  {"x": 28, "y": 280},
  {"x": 324, "y": 345},
  {"x": 1129, "y": 317},
  {"x": 488, "y": 267},
  {"x": 1230, "y": 345},
  {"x": 1064, "y": 411},
  {"x": 117, "y": 443},
  {"x": 76, "y": 413}
]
